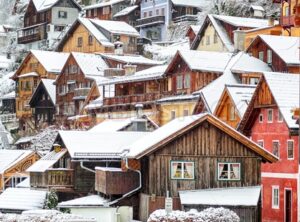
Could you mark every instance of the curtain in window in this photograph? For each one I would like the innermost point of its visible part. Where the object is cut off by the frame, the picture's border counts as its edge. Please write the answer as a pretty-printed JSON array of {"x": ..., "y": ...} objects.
[
  {"x": 221, "y": 168},
  {"x": 235, "y": 169},
  {"x": 189, "y": 170},
  {"x": 176, "y": 172}
]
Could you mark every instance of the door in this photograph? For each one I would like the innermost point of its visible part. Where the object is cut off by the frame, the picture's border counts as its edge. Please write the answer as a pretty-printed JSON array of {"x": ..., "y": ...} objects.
[{"x": 288, "y": 205}]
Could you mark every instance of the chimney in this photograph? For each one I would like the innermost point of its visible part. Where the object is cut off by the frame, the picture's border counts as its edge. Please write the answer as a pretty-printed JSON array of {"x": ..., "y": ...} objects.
[
  {"x": 130, "y": 69},
  {"x": 139, "y": 110},
  {"x": 139, "y": 123},
  {"x": 119, "y": 48}
]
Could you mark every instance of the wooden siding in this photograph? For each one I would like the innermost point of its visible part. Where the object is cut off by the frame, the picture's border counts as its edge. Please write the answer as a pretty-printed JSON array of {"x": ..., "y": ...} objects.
[
  {"x": 264, "y": 97},
  {"x": 205, "y": 145}
]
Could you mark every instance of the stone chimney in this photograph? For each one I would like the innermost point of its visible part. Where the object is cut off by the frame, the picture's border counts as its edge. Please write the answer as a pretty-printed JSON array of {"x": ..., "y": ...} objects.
[{"x": 130, "y": 69}]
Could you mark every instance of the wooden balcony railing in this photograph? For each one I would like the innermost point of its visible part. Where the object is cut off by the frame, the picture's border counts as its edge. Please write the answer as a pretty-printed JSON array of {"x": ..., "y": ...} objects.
[
  {"x": 81, "y": 92},
  {"x": 287, "y": 21},
  {"x": 32, "y": 34},
  {"x": 131, "y": 99},
  {"x": 52, "y": 178},
  {"x": 150, "y": 21}
]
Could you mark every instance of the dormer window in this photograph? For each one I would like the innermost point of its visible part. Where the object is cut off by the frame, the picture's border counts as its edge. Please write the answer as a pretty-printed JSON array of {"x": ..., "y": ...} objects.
[{"x": 62, "y": 14}]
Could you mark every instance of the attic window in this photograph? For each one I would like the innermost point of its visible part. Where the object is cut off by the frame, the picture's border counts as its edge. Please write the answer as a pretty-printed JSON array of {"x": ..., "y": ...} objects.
[
  {"x": 90, "y": 40},
  {"x": 79, "y": 42}
]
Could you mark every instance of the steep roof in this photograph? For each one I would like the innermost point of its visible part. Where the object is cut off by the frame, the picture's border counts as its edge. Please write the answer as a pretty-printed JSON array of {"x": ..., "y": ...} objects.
[
  {"x": 179, "y": 126},
  {"x": 131, "y": 59},
  {"x": 126, "y": 11},
  {"x": 9, "y": 158},
  {"x": 50, "y": 88},
  {"x": 103, "y": 4},
  {"x": 42, "y": 5}
]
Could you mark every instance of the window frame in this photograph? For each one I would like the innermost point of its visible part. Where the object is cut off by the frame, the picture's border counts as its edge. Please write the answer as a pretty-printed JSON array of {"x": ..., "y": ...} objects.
[
  {"x": 179, "y": 84},
  {"x": 287, "y": 149},
  {"x": 173, "y": 114},
  {"x": 276, "y": 187},
  {"x": 182, "y": 169},
  {"x": 187, "y": 81},
  {"x": 261, "y": 55},
  {"x": 79, "y": 41},
  {"x": 270, "y": 121},
  {"x": 273, "y": 142},
  {"x": 260, "y": 118},
  {"x": 269, "y": 56},
  {"x": 229, "y": 179}
]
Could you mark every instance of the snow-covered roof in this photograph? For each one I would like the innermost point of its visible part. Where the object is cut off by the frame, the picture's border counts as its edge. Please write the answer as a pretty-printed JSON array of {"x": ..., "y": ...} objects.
[
  {"x": 155, "y": 72},
  {"x": 9, "y": 158},
  {"x": 42, "y": 5},
  {"x": 111, "y": 125},
  {"x": 126, "y": 11},
  {"x": 30, "y": 74},
  {"x": 205, "y": 60},
  {"x": 249, "y": 63},
  {"x": 86, "y": 144},
  {"x": 99, "y": 36},
  {"x": 235, "y": 196},
  {"x": 21, "y": 199},
  {"x": 46, "y": 161},
  {"x": 188, "y": 3},
  {"x": 51, "y": 89},
  {"x": 177, "y": 98},
  {"x": 103, "y": 4},
  {"x": 51, "y": 61},
  {"x": 257, "y": 8},
  {"x": 10, "y": 95},
  {"x": 195, "y": 28},
  {"x": 131, "y": 59},
  {"x": 116, "y": 27},
  {"x": 286, "y": 47},
  {"x": 91, "y": 65},
  {"x": 88, "y": 201},
  {"x": 243, "y": 22},
  {"x": 241, "y": 95},
  {"x": 5, "y": 63},
  {"x": 24, "y": 184},
  {"x": 285, "y": 89}
]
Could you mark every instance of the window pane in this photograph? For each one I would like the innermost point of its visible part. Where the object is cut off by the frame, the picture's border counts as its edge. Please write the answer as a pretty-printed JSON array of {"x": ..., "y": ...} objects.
[
  {"x": 187, "y": 81},
  {"x": 179, "y": 82},
  {"x": 290, "y": 145},
  {"x": 270, "y": 115},
  {"x": 189, "y": 170},
  {"x": 276, "y": 148}
]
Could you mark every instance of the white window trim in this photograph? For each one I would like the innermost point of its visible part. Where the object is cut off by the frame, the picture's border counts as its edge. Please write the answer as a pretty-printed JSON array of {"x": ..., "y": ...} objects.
[
  {"x": 275, "y": 206},
  {"x": 262, "y": 142},
  {"x": 182, "y": 170},
  {"x": 278, "y": 147},
  {"x": 287, "y": 149},
  {"x": 229, "y": 163},
  {"x": 270, "y": 121}
]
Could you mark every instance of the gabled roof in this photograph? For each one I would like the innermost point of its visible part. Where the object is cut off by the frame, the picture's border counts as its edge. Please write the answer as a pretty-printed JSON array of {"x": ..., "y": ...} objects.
[
  {"x": 9, "y": 158},
  {"x": 50, "y": 88},
  {"x": 126, "y": 11},
  {"x": 88, "y": 201},
  {"x": 103, "y": 4},
  {"x": 189, "y": 3},
  {"x": 286, "y": 47},
  {"x": 202, "y": 60},
  {"x": 285, "y": 89},
  {"x": 179, "y": 126},
  {"x": 42, "y": 5}
]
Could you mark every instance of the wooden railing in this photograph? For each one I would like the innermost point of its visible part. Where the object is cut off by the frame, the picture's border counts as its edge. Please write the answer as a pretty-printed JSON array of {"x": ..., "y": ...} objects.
[
  {"x": 81, "y": 92},
  {"x": 184, "y": 18},
  {"x": 149, "y": 21},
  {"x": 287, "y": 21},
  {"x": 36, "y": 33}
]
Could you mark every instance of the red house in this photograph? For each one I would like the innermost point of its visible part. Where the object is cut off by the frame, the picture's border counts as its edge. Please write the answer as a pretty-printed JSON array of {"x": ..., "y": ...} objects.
[{"x": 269, "y": 121}]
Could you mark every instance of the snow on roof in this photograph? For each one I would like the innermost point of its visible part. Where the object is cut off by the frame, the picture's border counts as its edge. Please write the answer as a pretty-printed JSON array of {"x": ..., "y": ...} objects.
[
  {"x": 126, "y": 11},
  {"x": 241, "y": 95},
  {"x": 24, "y": 184},
  {"x": 160, "y": 134},
  {"x": 9, "y": 158},
  {"x": 22, "y": 199},
  {"x": 243, "y": 22},
  {"x": 195, "y": 28},
  {"x": 51, "y": 61},
  {"x": 103, "y": 4},
  {"x": 178, "y": 98},
  {"x": 249, "y": 63},
  {"x": 111, "y": 125},
  {"x": 46, "y": 161},
  {"x": 211, "y": 93},
  {"x": 188, "y": 3},
  {"x": 42, "y": 5},
  {"x": 239, "y": 196},
  {"x": 286, "y": 47},
  {"x": 97, "y": 103},
  {"x": 257, "y": 7},
  {"x": 116, "y": 27},
  {"x": 131, "y": 59},
  {"x": 86, "y": 144},
  {"x": 155, "y": 72},
  {"x": 10, "y": 95},
  {"x": 30, "y": 74},
  {"x": 99, "y": 36},
  {"x": 88, "y": 201},
  {"x": 91, "y": 65},
  {"x": 205, "y": 60},
  {"x": 51, "y": 88},
  {"x": 285, "y": 90}
]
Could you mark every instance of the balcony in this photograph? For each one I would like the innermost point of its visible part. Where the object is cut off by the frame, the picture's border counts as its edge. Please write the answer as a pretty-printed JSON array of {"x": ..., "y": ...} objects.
[
  {"x": 150, "y": 21},
  {"x": 81, "y": 93},
  {"x": 32, "y": 34},
  {"x": 110, "y": 72},
  {"x": 53, "y": 178},
  {"x": 131, "y": 99},
  {"x": 114, "y": 181},
  {"x": 184, "y": 18},
  {"x": 287, "y": 21}
]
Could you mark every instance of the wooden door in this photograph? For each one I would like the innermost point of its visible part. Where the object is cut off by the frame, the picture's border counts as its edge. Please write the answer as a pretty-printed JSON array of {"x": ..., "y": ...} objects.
[{"x": 288, "y": 205}]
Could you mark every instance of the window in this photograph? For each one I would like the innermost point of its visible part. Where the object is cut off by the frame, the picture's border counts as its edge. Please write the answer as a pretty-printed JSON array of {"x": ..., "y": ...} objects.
[
  {"x": 260, "y": 118},
  {"x": 173, "y": 114},
  {"x": 185, "y": 112},
  {"x": 275, "y": 197},
  {"x": 215, "y": 37},
  {"x": 187, "y": 81},
  {"x": 261, "y": 143},
  {"x": 73, "y": 69},
  {"x": 207, "y": 40},
  {"x": 269, "y": 56},
  {"x": 163, "y": 11},
  {"x": 231, "y": 112},
  {"x": 261, "y": 55},
  {"x": 157, "y": 11},
  {"x": 90, "y": 40},
  {"x": 179, "y": 81},
  {"x": 150, "y": 13},
  {"x": 290, "y": 149},
  {"x": 79, "y": 42},
  {"x": 280, "y": 117},
  {"x": 106, "y": 10},
  {"x": 254, "y": 81},
  {"x": 182, "y": 170},
  {"x": 62, "y": 14},
  {"x": 270, "y": 115},
  {"x": 229, "y": 171},
  {"x": 145, "y": 14},
  {"x": 275, "y": 145}
]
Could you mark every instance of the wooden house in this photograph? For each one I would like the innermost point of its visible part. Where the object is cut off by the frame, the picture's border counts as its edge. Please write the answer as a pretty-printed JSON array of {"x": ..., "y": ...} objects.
[
  {"x": 192, "y": 32},
  {"x": 80, "y": 71},
  {"x": 233, "y": 103},
  {"x": 8, "y": 103},
  {"x": 129, "y": 15},
  {"x": 106, "y": 10},
  {"x": 45, "y": 20},
  {"x": 43, "y": 103},
  {"x": 217, "y": 32},
  {"x": 269, "y": 48},
  {"x": 269, "y": 122},
  {"x": 188, "y": 154},
  {"x": 103, "y": 36},
  {"x": 14, "y": 164},
  {"x": 36, "y": 65}
]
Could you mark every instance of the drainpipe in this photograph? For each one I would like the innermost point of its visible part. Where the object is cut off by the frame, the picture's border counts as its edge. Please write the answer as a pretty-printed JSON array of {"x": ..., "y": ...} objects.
[
  {"x": 85, "y": 168},
  {"x": 130, "y": 192}
]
